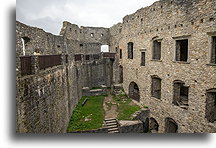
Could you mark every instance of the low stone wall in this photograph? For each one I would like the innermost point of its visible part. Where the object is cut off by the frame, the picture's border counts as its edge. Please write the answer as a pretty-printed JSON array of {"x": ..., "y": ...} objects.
[
  {"x": 130, "y": 126},
  {"x": 143, "y": 115},
  {"x": 94, "y": 92},
  {"x": 100, "y": 130}
]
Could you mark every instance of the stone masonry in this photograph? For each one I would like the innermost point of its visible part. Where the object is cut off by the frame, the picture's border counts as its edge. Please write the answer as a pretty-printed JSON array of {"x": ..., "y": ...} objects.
[{"x": 166, "y": 50}]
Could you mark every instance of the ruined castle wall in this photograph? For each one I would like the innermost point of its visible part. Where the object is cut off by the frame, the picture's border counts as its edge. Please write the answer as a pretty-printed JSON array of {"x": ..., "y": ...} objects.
[
  {"x": 46, "y": 98},
  {"x": 42, "y": 103},
  {"x": 42, "y": 96},
  {"x": 94, "y": 73},
  {"x": 116, "y": 36},
  {"x": 169, "y": 21},
  {"x": 90, "y": 38},
  {"x": 39, "y": 42}
]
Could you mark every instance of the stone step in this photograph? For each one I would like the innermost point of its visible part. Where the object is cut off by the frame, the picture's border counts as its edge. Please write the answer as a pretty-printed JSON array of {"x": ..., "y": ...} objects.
[
  {"x": 113, "y": 126},
  {"x": 108, "y": 123},
  {"x": 113, "y": 129},
  {"x": 112, "y": 132},
  {"x": 111, "y": 123},
  {"x": 108, "y": 119}
]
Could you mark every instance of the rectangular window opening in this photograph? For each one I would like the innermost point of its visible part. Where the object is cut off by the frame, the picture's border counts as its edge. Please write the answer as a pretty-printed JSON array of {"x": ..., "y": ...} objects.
[
  {"x": 142, "y": 58},
  {"x": 212, "y": 61},
  {"x": 156, "y": 50},
  {"x": 181, "y": 95},
  {"x": 182, "y": 50},
  {"x": 210, "y": 107},
  {"x": 156, "y": 87},
  {"x": 130, "y": 50}
]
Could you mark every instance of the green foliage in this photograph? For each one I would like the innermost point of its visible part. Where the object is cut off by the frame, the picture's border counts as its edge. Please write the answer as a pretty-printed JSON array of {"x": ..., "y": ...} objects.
[{"x": 89, "y": 116}]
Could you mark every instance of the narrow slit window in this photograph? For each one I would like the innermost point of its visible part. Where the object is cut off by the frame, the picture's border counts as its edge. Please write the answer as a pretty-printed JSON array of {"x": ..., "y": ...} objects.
[
  {"x": 130, "y": 50},
  {"x": 142, "y": 58},
  {"x": 212, "y": 61},
  {"x": 120, "y": 53}
]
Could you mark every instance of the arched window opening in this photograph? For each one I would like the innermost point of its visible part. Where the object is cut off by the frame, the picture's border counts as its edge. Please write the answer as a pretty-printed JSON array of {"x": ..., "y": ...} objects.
[
  {"x": 170, "y": 126},
  {"x": 153, "y": 125},
  {"x": 25, "y": 42},
  {"x": 134, "y": 91}
]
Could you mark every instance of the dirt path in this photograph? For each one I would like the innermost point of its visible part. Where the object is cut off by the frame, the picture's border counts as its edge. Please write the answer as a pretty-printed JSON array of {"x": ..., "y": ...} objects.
[{"x": 110, "y": 107}]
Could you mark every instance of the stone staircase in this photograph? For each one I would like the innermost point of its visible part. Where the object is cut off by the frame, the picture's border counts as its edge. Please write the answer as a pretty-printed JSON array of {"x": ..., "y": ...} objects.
[{"x": 112, "y": 125}]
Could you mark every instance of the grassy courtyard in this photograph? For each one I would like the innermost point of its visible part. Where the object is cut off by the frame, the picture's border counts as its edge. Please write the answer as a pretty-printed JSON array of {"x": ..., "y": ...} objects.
[
  {"x": 92, "y": 114},
  {"x": 89, "y": 116}
]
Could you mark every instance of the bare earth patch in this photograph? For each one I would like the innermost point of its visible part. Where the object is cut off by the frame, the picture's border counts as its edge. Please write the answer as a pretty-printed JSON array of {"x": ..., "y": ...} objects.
[{"x": 110, "y": 107}]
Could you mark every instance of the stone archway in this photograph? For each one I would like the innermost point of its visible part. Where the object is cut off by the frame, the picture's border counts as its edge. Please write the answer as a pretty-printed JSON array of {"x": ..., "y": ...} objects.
[
  {"x": 134, "y": 91},
  {"x": 120, "y": 74},
  {"x": 153, "y": 125},
  {"x": 170, "y": 126}
]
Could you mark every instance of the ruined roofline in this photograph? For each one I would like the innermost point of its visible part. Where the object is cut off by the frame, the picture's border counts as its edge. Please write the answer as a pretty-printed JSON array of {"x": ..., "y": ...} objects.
[
  {"x": 82, "y": 27},
  {"x": 36, "y": 28},
  {"x": 156, "y": 6}
]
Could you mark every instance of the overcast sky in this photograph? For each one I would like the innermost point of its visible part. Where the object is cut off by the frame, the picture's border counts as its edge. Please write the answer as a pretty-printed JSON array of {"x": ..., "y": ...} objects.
[{"x": 49, "y": 14}]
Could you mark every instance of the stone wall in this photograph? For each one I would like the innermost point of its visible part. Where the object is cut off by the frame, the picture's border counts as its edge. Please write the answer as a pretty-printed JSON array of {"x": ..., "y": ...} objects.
[
  {"x": 100, "y": 130},
  {"x": 90, "y": 38},
  {"x": 130, "y": 126},
  {"x": 46, "y": 97},
  {"x": 43, "y": 101},
  {"x": 168, "y": 21}
]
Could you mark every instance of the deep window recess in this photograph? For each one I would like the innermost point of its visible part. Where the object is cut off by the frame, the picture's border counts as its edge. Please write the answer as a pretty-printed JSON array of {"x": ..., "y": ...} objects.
[
  {"x": 211, "y": 105},
  {"x": 156, "y": 87},
  {"x": 142, "y": 59},
  {"x": 78, "y": 57},
  {"x": 120, "y": 53},
  {"x": 120, "y": 74},
  {"x": 212, "y": 61},
  {"x": 87, "y": 57},
  {"x": 130, "y": 50},
  {"x": 156, "y": 50},
  {"x": 170, "y": 126},
  {"x": 116, "y": 49},
  {"x": 180, "y": 94},
  {"x": 134, "y": 91},
  {"x": 153, "y": 125},
  {"x": 182, "y": 50}
]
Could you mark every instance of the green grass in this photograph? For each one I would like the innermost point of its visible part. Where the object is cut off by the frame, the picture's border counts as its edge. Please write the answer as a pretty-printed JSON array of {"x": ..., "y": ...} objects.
[
  {"x": 89, "y": 116},
  {"x": 125, "y": 110}
]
